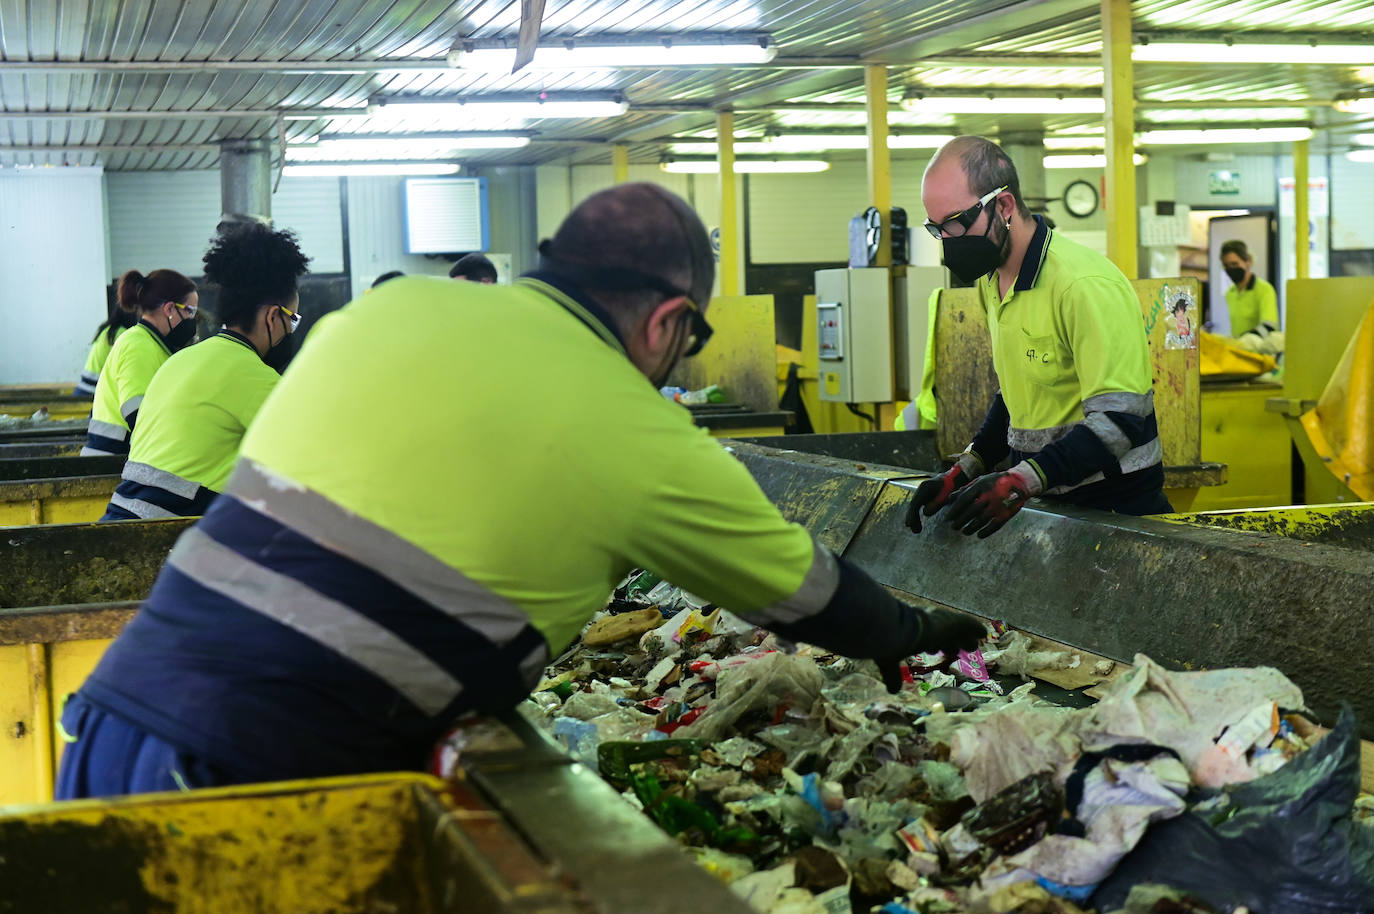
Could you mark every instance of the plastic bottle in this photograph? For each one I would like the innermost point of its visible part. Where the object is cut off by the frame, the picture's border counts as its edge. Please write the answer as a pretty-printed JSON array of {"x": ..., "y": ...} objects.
[{"x": 711, "y": 394}]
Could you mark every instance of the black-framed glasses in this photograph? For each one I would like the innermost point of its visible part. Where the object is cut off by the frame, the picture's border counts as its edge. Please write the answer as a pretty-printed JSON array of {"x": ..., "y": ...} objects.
[
  {"x": 701, "y": 330},
  {"x": 960, "y": 223}
]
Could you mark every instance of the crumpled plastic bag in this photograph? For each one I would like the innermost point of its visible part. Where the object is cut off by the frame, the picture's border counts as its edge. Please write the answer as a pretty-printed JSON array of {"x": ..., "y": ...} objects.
[
  {"x": 1013, "y": 743},
  {"x": 1285, "y": 843},
  {"x": 1184, "y": 711},
  {"x": 1016, "y": 657},
  {"x": 766, "y": 683}
]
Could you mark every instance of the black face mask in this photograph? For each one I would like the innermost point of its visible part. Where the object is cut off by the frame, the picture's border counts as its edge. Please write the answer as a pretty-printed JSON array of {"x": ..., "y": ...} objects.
[
  {"x": 279, "y": 354},
  {"x": 971, "y": 256},
  {"x": 179, "y": 337},
  {"x": 1236, "y": 273}
]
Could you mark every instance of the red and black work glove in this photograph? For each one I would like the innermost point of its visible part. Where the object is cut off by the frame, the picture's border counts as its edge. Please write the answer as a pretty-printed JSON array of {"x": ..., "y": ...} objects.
[
  {"x": 945, "y": 631},
  {"x": 934, "y": 493},
  {"x": 985, "y": 505}
]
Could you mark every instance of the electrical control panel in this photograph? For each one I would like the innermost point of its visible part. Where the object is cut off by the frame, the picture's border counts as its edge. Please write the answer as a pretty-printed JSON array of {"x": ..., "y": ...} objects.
[{"x": 854, "y": 335}]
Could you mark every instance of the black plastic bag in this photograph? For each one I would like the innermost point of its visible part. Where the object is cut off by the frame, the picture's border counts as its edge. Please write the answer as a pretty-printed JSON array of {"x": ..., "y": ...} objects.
[{"x": 1285, "y": 843}]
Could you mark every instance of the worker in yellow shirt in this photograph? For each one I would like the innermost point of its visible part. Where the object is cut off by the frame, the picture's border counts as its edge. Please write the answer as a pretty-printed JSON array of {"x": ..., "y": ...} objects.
[
  {"x": 166, "y": 303},
  {"x": 202, "y": 400},
  {"x": 1074, "y": 418},
  {"x": 119, "y": 320},
  {"x": 374, "y": 570},
  {"x": 1251, "y": 301}
]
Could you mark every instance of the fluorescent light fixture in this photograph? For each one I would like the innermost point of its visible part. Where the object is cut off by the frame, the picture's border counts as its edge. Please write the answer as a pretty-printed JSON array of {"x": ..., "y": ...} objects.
[
  {"x": 505, "y": 108},
  {"x": 1084, "y": 161},
  {"x": 1360, "y": 155},
  {"x": 917, "y": 141},
  {"x": 396, "y": 148},
  {"x": 1075, "y": 142},
  {"x": 981, "y": 104},
  {"x": 654, "y": 51},
  {"x": 1355, "y": 105},
  {"x": 746, "y": 167},
  {"x": 1364, "y": 139},
  {"x": 1213, "y": 52},
  {"x": 362, "y": 169},
  {"x": 1225, "y": 135},
  {"x": 787, "y": 143}
]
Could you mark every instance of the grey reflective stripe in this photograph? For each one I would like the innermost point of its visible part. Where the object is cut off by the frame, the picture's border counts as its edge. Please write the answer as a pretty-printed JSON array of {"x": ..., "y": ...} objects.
[
  {"x": 1138, "y": 458},
  {"x": 1034, "y": 440},
  {"x": 1107, "y": 432},
  {"x": 87, "y": 384},
  {"x": 88, "y": 451},
  {"x": 911, "y": 417},
  {"x": 1121, "y": 402},
  {"x": 131, "y": 406},
  {"x": 329, "y": 622},
  {"x": 108, "y": 430},
  {"x": 813, "y": 595},
  {"x": 413, "y": 569},
  {"x": 146, "y": 475},
  {"x": 144, "y": 509}
]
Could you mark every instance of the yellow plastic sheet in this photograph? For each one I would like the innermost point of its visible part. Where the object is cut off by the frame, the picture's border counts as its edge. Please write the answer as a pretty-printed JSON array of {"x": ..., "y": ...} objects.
[
  {"x": 1341, "y": 426},
  {"x": 1222, "y": 358}
]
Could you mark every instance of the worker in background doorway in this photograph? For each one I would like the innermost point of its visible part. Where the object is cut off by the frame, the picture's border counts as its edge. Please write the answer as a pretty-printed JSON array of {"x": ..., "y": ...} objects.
[
  {"x": 1075, "y": 414},
  {"x": 385, "y": 277},
  {"x": 474, "y": 268},
  {"x": 1251, "y": 301},
  {"x": 201, "y": 401},
  {"x": 352, "y": 594},
  {"x": 119, "y": 320},
  {"x": 166, "y": 303}
]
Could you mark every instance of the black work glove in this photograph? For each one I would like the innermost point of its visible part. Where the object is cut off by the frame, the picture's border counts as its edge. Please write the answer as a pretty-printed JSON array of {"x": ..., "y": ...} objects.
[
  {"x": 945, "y": 631},
  {"x": 932, "y": 494},
  {"x": 986, "y": 504}
]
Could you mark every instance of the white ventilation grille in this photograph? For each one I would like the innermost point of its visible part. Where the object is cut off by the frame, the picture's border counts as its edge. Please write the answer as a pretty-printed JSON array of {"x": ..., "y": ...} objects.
[{"x": 446, "y": 215}]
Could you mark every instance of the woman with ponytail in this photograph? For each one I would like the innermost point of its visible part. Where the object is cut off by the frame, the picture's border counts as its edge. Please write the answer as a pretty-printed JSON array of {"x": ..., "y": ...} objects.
[
  {"x": 164, "y": 303},
  {"x": 116, "y": 323}
]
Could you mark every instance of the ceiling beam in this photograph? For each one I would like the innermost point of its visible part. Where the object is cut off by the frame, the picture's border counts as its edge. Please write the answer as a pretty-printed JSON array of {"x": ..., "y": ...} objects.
[
  {"x": 361, "y": 67},
  {"x": 1022, "y": 16}
]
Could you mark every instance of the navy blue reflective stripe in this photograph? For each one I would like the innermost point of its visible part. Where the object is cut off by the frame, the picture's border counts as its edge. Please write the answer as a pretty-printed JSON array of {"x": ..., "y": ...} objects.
[
  {"x": 108, "y": 445},
  {"x": 253, "y": 696},
  {"x": 168, "y": 501},
  {"x": 471, "y": 658}
]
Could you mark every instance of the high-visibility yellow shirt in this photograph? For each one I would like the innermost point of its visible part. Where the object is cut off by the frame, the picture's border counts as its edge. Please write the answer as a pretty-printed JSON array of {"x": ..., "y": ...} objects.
[
  {"x": 1251, "y": 307},
  {"x": 134, "y": 359},
  {"x": 95, "y": 360}
]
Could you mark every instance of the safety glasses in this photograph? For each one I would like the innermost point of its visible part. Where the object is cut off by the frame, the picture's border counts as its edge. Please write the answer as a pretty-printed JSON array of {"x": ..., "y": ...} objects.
[
  {"x": 701, "y": 331},
  {"x": 960, "y": 223},
  {"x": 187, "y": 310},
  {"x": 291, "y": 315}
]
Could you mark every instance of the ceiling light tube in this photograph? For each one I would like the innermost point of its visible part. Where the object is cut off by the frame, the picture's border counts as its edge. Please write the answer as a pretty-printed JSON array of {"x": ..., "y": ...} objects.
[
  {"x": 1364, "y": 139},
  {"x": 1223, "y": 136},
  {"x": 1213, "y": 52},
  {"x": 1075, "y": 142},
  {"x": 1355, "y": 105},
  {"x": 1084, "y": 161},
  {"x": 746, "y": 167},
  {"x": 654, "y": 51},
  {"x": 361, "y": 169},
  {"x": 1360, "y": 155},
  {"x": 981, "y": 104},
  {"x": 502, "y": 107},
  {"x": 382, "y": 146}
]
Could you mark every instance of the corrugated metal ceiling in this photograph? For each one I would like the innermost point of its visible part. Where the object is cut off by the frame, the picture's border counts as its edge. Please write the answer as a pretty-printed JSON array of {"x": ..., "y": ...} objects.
[{"x": 174, "y": 119}]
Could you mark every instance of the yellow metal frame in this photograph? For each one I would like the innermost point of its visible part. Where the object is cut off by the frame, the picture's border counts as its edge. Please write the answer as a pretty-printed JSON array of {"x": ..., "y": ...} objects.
[
  {"x": 57, "y": 409},
  {"x": 879, "y": 158},
  {"x": 1300, "y": 209},
  {"x": 74, "y": 500},
  {"x": 1119, "y": 92},
  {"x": 731, "y": 255},
  {"x": 620, "y": 163}
]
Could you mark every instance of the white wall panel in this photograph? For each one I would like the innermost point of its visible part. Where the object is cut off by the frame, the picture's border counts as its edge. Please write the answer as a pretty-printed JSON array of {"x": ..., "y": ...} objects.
[
  {"x": 376, "y": 233},
  {"x": 310, "y": 208},
  {"x": 1352, "y": 218},
  {"x": 52, "y": 255}
]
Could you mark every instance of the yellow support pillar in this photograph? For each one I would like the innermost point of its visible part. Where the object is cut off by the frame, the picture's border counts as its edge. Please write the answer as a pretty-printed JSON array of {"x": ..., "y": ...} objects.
[
  {"x": 620, "y": 163},
  {"x": 1301, "y": 215},
  {"x": 879, "y": 158},
  {"x": 730, "y": 254},
  {"x": 1118, "y": 89}
]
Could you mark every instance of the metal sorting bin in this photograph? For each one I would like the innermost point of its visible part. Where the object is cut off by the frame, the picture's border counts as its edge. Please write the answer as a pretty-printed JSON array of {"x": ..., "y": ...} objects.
[
  {"x": 99, "y": 572},
  {"x": 57, "y": 407},
  {"x": 523, "y": 830},
  {"x": 56, "y": 490}
]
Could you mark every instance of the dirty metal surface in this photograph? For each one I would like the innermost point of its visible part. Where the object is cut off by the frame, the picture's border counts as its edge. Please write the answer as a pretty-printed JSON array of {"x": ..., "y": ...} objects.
[
  {"x": 45, "y": 431},
  {"x": 61, "y": 487},
  {"x": 1346, "y": 526},
  {"x": 52, "y": 624},
  {"x": 828, "y": 496},
  {"x": 51, "y": 467},
  {"x": 83, "y": 563},
  {"x": 915, "y": 450},
  {"x": 63, "y": 447}
]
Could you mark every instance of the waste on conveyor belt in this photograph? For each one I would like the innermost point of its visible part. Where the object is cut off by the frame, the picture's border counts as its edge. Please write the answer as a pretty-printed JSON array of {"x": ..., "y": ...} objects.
[{"x": 795, "y": 777}]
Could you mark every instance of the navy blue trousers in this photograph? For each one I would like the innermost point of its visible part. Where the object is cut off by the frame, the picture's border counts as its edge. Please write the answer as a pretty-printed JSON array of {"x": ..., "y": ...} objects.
[{"x": 107, "y": 756}]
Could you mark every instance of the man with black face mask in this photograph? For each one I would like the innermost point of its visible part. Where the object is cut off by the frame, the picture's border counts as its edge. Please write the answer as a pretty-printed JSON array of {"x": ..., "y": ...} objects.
[
  {"x": 352, "y": 593},
  {"x": 1075, "y": 414}
]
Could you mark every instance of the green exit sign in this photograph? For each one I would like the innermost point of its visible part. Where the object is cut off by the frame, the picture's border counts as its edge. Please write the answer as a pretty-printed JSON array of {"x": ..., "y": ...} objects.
[{"x": 1223, "y": 183}]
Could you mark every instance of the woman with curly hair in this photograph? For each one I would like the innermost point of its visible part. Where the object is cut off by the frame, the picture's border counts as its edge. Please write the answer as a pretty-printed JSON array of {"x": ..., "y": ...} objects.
[{"x": 201, "y": 402}]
